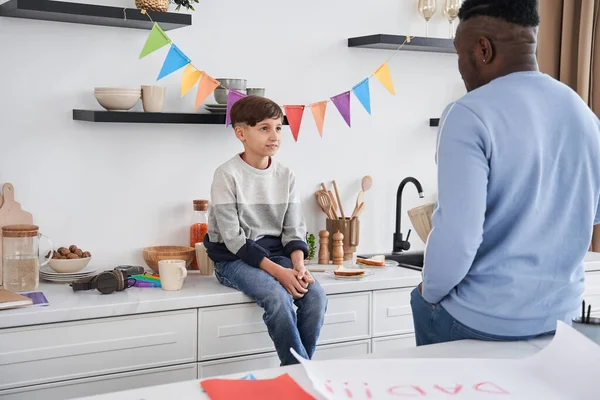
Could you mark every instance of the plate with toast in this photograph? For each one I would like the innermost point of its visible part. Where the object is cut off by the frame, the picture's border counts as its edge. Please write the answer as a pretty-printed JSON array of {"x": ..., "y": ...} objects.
[{"x": 351, "y": 274}]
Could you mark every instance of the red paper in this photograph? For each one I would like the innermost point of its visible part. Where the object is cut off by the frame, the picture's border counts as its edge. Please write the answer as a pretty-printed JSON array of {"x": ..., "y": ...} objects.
[
  {"x": 282, "y": 387},
  {"x": 294, "y": 116}
]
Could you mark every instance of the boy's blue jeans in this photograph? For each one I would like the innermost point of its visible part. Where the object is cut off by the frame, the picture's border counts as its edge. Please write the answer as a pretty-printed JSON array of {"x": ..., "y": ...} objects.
[
  {"x": 287, "y": 328},
  {"x": 433, "y": 324}
]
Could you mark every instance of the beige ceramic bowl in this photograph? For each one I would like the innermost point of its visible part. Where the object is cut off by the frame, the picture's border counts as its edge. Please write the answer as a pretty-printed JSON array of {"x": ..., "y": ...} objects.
[
  {"x": 421, "y": 220},
  {"x": 152, "y": 255},
  {"x": 115, "y": 99},
  {"x": 69, "y": 266}
]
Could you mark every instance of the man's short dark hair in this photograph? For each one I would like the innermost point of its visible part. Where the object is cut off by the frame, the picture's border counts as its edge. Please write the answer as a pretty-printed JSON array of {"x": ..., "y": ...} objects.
[
  {"x": 520, "y": 12},
  {"x": 250, "y": 110}
]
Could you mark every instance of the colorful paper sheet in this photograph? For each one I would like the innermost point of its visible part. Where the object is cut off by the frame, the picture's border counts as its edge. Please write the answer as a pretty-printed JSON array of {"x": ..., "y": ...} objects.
[
  {"x": 383, "y": 75},
  {"x": 189, "y": 78},
  {"x": 206, "y": 86},
  {"x": 342, "y": 103},
  {"x": 282, "y": 387},
  {"x": 156, "y": 39},
  {"x": 232, "y": 97},
  {"x": 175, "y": 60},
  {"x": 294, "y": 116},
  {"x": 363, "y": 94},
  {"x": 318, "y": 112}
]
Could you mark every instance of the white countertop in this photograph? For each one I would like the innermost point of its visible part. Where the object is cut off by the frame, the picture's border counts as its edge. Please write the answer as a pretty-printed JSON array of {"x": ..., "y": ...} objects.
[
  {"x": 459, "y": 349},
  {"x": 198, "y": 291}
]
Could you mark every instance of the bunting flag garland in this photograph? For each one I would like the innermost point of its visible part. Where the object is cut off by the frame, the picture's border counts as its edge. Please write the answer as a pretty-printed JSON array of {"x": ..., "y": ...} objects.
[
  {"x": 206, "y": 86},
  {"x": 383, "y": 75},
  {"x": 189, "y": 78},
  {"x": 342, "y": 103},
  {"x": 232, "y": 97},
  {"x": 192, "y": 76},
  {"x": 156, "y": 40},
  {"x": 175, "y": 60},
  {"x": 294, "y": 116},
  {"x": 318, "y": 112},
  {"x": 363, "y": 94}
]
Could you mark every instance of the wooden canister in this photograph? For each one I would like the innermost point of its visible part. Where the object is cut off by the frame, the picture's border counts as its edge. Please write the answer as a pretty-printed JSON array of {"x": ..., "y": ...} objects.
[{"x": 350, "y": 228}]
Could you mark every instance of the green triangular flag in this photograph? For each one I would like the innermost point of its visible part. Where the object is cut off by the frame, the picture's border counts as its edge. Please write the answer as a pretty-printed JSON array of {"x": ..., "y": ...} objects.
[{"x": 157, "y": 39}]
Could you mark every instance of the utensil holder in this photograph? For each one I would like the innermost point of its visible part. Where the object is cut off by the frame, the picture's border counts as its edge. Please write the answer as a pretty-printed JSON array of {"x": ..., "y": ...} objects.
[{"x": 350, "y": 228}]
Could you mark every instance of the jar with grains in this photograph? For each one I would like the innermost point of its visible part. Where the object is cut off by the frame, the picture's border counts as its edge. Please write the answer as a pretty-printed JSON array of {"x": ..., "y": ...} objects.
[
  {"x": 199, "y": 226},
  {"x": 21, "y": 257}
]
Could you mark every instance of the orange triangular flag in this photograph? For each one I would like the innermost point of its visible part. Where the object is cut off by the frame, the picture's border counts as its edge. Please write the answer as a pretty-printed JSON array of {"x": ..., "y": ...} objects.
[
  {"x": 189, "y": 78},
  {"x": 294, "y": 116},
  {"x": 206, "y": 86},
  {"x": 318, "y": 112},
  {"x": 383, "y": 75}
]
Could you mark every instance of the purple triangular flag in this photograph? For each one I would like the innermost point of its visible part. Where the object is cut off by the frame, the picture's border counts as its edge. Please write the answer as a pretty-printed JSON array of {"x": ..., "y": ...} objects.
[
  {"x": 232, "y": 97},
  {"x": 342, "y": 103}
]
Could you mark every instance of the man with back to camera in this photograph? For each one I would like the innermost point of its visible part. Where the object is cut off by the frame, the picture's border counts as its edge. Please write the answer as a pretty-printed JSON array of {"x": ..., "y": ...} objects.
[{"x": 518, "y": 162}]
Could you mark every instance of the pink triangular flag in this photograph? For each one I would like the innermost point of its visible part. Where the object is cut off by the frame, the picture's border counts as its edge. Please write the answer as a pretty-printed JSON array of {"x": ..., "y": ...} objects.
[
  {"x": 294, "y": 116},
  {"x": 232, "y": 97},
  {"x": 342, "y": 103},
  {"x": 206, "y": 86}
]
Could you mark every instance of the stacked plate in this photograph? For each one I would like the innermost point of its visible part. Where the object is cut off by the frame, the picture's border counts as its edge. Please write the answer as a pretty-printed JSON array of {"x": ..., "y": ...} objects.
[
  {"x": 47, "y": 274},
  {"x": 216, "y": 108}
]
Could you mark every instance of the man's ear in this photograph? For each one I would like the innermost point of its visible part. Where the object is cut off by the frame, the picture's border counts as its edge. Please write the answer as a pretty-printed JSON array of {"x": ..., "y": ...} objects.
[
  {"x": 239, "y": 133},
  {"x": 485, "y": 50}
]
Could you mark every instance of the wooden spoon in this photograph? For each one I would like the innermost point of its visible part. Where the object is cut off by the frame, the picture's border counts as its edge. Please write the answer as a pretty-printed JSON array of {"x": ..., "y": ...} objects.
[
  {"x": 367, "y": 183},
  {"x": 325, "y": 203},
  {"x": 317, "y": 194},
  {"x": 358, "y": 210},
  {"x": 333, "y": 203}
]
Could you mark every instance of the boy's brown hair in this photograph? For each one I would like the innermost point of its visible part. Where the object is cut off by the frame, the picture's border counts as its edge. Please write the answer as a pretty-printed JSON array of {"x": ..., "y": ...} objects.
[{"x": 250, "y": 110}]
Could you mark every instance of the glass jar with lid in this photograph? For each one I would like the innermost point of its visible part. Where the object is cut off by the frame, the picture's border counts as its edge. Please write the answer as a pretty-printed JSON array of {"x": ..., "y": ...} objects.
[
  {"x": 21, "y": 257},
  {"x": 199, "y": 226}
]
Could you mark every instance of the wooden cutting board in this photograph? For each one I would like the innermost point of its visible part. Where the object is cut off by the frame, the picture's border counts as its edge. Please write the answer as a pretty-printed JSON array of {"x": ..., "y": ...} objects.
[{"x": 10, "y": 214}]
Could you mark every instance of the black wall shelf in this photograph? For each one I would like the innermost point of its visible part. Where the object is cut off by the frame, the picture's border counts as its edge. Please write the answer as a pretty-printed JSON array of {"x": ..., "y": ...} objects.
[
  {"x": 91, "y": 14},
  {"x": 434, "y": 122},
  {"x": 392, "y": 42},
  {"x": 135, "y": 117}
]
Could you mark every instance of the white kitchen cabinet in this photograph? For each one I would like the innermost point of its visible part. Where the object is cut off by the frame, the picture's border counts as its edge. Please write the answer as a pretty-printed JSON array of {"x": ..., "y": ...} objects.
[
  {"x": 240, "y": 330},
  {"x": 385, "y": 345},
  {"x": 103, "y": 384},
  {"x": 270, "y": 360},
  {"x": 64, "y": 351},
  {"x": 392, "y": 314}
]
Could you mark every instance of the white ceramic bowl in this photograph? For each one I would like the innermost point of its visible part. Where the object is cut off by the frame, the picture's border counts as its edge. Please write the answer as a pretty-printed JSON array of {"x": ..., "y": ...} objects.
[
  {"x": 118, "y": 101},
  {"x": 69, "y": 266}
]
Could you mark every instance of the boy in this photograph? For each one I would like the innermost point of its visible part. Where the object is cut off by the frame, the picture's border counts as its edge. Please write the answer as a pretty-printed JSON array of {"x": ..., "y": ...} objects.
[{"x": 256, "y": 232}]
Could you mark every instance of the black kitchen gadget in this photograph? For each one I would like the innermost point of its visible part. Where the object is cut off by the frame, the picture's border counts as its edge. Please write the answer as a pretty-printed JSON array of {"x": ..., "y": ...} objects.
[{"x": 106, "y": 282}]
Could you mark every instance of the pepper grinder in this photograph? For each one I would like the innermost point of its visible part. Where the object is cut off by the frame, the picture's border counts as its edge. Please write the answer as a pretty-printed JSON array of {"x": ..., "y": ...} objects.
[
  {"x": 337, "y": 252},
  {"x": 324, "y": 247}
]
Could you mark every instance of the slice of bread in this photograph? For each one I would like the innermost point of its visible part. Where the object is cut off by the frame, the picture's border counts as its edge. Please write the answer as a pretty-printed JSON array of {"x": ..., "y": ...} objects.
[
  {"x": 341, "y": 271},
  {"x": 376, "y": 261}
]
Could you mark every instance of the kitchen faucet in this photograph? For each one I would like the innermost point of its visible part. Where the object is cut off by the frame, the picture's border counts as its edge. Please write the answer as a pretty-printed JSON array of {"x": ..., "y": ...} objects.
[{"x": 399, "y": 244}]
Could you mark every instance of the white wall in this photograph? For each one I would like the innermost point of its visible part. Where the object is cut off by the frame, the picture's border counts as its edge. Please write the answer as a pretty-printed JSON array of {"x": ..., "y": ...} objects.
[{"x": 113, "y": 189}]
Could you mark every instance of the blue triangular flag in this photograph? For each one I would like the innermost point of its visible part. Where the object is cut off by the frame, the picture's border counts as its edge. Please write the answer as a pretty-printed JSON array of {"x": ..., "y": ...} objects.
[
  {"x": 174, "y": 61},
  {"x": 362, "y": 93}
]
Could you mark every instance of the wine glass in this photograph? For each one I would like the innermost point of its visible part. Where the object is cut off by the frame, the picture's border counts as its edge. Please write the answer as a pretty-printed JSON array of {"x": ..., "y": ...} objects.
[
  {"x": 450, "y": 11},
  {"x": 427, "y": 8}
]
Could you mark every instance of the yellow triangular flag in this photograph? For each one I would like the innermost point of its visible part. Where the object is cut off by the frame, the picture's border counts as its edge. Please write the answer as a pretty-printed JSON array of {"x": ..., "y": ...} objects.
[
  {"x": 189, "y": 78},
  {"x": 408, "y": 39},
  {"x": 383, "y": 75}
]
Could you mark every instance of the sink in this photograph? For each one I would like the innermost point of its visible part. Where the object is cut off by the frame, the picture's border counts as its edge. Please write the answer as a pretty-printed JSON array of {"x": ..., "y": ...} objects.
[{"x": 408, "y": 259}]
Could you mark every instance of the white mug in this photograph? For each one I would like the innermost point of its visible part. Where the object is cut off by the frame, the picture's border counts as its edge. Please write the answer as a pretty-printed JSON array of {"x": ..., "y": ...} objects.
[{"x": 172, "y": 273}]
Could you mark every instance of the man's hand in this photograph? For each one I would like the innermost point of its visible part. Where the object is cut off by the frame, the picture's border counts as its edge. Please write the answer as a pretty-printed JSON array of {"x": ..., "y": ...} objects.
[{"x": 288, "y": 278}]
